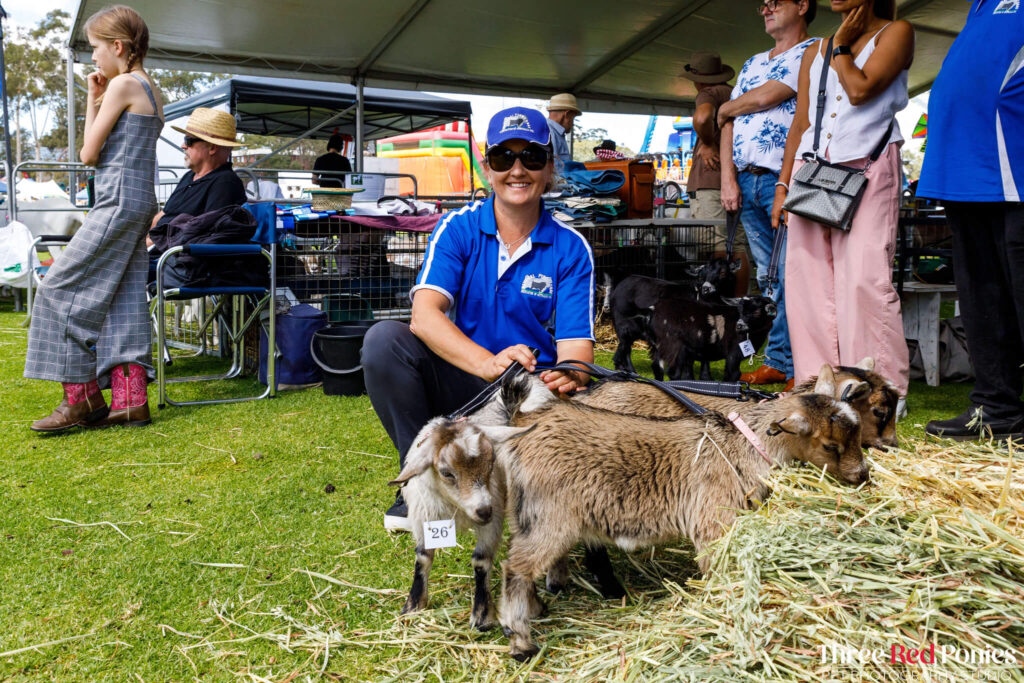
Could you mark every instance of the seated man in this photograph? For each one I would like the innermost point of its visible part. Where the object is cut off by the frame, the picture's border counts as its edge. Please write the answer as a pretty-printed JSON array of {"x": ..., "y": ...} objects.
[
  {"x": 211, "y": 182},
  {"x": 513, "y": 276}
]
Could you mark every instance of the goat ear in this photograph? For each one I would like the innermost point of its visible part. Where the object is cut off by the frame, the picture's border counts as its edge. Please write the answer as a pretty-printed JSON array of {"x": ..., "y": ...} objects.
[
  {"x": 735, "y": 265},
  {"x": 866, "y": 363},
  {"x": 852, "y": 390},
  {"x": 497, "y": 434},
  {"x": 826, "y": 383},
  {"x": 419, "y": 458},
  {"x": 731, "y": 300},
  {"x": 693, "y": 271},
  {"x": 794, "y": 423}
]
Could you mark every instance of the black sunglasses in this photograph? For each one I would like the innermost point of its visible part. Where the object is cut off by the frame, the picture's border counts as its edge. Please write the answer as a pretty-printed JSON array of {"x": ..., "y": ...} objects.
[
  {"x": 501, "y": 159},
  {"x": 189, "y": 140}
]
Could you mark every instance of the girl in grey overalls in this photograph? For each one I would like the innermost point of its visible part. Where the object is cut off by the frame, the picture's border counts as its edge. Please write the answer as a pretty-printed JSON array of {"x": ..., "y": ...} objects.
[{"x": 90, "y": 320}]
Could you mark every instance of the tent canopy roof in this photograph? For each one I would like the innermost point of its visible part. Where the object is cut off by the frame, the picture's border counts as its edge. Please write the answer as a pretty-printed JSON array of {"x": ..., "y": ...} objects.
[
  {"x": 615, "y": 55},
  {"x": 280, "y": 106}
]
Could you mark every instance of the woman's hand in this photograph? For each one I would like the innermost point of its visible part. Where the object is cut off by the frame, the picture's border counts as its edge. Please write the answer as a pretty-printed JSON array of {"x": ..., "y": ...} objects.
[
  {"x": 853, "y": 26},
  {"x": 780, "y": 199},
  {"x": 97, "y": 84},
  {"x": 496, "y": 364},
  {"x": 560, "y": 383}
]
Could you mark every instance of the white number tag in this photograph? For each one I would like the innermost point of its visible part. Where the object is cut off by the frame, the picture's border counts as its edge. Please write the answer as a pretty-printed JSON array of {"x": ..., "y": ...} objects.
[
  {"x": 439, "y": 534},
  {"x": 746, "y": 348}
]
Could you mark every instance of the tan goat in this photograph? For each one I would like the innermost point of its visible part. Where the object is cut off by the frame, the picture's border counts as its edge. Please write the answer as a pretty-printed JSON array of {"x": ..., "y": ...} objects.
[
  {"x": 634, "y": 481},
  {"x": 875, "y": 403}
]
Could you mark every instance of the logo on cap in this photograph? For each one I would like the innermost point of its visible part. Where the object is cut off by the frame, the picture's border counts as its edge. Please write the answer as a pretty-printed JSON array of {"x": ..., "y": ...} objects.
[{"x": 516, "y": 122}]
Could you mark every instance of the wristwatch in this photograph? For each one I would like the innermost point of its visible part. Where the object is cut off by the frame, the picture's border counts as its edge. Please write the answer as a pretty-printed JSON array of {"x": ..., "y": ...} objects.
[{"x": 841, "y": 50}]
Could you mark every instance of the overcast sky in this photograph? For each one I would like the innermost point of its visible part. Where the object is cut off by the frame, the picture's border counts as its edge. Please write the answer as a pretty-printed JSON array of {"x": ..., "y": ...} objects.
[{"x": 626, "y": 130}]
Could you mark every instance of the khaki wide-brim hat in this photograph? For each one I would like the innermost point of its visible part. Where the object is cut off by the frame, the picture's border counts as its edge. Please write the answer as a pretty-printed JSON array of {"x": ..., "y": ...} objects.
[
  {"x": 563, "y": 101},
  {"x": 212, "y": 125},
  {"x": 707, "y": 67}
]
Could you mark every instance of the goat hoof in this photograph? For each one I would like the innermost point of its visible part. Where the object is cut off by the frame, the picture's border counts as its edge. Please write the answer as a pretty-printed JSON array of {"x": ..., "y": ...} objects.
[
  {"x": 612, "y": 592},
  {"x": 484, "y": 626},
  {"x": 507, "y": 631},
  {"x": 524, "y": 654},
  {"x": 410, "y": 606}
]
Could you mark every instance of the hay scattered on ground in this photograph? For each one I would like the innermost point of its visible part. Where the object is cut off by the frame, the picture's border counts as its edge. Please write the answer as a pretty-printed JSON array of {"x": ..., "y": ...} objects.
[{"x": 931, "y": 552}]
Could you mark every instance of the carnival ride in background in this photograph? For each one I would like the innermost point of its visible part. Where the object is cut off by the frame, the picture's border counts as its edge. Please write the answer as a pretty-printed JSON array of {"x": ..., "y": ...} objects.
[{"x": 442, "y": 159}]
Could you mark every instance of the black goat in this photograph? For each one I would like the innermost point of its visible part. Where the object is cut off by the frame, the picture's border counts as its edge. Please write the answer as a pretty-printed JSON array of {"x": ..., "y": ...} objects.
[
  {"x": 634, "y": 298},
  {"x": 685, "y": 331}
]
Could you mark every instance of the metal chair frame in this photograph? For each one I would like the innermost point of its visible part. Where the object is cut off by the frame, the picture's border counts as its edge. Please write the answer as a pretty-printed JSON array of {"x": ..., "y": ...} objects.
[{"x": 260, "y": 296}]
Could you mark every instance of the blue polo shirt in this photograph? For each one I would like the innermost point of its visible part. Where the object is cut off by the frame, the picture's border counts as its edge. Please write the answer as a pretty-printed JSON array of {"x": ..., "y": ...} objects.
[
  {"x": 975, "y": 147},
  {"x": 545, "y": 296}
]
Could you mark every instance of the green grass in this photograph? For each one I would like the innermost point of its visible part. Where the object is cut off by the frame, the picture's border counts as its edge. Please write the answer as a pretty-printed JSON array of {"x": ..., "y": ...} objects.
[{"x": 238, "y": 484}]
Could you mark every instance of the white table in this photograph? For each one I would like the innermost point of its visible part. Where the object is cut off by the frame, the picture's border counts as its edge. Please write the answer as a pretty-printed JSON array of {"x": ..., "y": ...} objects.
[{"x": 921, "y": 322}]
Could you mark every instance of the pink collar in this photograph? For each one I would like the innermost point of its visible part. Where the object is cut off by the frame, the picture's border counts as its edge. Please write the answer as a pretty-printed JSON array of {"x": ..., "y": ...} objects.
[{"x": 746, "y": 431}]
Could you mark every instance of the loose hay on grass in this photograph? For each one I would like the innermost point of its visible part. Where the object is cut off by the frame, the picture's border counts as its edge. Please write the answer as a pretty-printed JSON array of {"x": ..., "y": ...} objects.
[{"x": 931, "y": 551}]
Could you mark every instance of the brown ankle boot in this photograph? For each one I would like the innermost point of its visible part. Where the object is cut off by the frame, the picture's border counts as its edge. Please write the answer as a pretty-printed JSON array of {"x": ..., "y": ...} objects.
[
  {"x": 129, "y": 405},
  {"x": 78, "y": 408}
]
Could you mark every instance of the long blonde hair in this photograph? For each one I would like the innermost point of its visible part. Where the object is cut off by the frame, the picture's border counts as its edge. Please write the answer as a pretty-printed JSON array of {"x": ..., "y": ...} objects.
[{"x": 119, "y": 22}]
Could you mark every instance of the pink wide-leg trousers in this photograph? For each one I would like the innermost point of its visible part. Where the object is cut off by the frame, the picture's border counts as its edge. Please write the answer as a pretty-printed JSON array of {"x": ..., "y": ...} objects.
[{"x": 840, "y": 300}]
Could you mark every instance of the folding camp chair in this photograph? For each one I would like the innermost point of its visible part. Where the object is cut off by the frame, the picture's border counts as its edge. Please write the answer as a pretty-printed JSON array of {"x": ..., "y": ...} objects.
[{"x": 260, "y": 298}]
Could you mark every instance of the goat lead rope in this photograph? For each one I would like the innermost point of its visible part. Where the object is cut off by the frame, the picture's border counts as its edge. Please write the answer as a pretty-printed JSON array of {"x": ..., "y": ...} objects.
[
  {"x": 747, "y": 432},
  {"x": 618, "y": 375},
  {"x": 487, "y": 392}
]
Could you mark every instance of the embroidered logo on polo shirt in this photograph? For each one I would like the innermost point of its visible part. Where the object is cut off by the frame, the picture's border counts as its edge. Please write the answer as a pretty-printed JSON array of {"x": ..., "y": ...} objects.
[
  {"x": 1007, "y": 7},
  {"x": 516, "y": 122},
  {"x": 537, "y": 285}
]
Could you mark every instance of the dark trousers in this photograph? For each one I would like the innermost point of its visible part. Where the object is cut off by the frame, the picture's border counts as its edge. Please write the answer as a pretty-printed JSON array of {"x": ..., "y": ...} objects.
[
  {"x": 408, "y": 384},
  {"x": 988, "y": 263}
]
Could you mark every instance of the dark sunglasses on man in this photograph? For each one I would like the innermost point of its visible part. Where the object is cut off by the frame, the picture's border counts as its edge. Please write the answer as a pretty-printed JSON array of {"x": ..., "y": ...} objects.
[
  {"x": 189, "y": 141},
  {"x": 501, "y": 159},
  {"x": 768, "y": 6}
]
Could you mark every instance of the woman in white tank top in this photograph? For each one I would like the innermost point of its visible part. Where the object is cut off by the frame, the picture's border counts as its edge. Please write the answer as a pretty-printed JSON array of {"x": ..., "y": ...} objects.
[{"x": 840, "y": 302}]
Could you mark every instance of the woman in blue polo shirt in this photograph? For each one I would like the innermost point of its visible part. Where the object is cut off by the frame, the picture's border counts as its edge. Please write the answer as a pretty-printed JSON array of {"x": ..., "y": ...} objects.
[{"x": 499, "y": 276}]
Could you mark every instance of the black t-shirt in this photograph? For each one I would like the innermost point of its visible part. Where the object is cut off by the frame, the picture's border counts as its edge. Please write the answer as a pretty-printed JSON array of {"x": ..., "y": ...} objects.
[
  {"x": 332, "y": 161},
  {"x": 217, "y": 189}
]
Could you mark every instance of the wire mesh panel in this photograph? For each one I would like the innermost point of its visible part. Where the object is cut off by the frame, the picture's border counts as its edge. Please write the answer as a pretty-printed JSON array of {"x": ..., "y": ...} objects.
[
  {"x": 662, "y": 251},
  {"x": 349, "y": 271}
]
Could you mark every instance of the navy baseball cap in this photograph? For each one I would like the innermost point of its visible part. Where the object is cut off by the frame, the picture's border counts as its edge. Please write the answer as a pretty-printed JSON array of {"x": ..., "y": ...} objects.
[{"x": 518, "y": 123}]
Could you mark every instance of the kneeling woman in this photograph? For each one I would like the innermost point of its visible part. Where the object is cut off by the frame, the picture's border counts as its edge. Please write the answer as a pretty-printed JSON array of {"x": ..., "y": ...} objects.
[{"x": 499, "y": 276}]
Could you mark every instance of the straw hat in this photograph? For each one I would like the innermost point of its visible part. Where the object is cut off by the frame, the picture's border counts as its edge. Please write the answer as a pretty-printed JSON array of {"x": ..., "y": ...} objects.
[
  {"x": 563, "y": 101},
  {"x": 212, "y": 125},
  {"x": 707, "y": 67}
]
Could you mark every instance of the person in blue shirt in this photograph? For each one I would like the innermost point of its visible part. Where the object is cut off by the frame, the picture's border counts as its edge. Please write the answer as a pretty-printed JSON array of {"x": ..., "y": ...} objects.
[
  {"x": 974, "y": 164},
  {"x": 499, "y": 277}
]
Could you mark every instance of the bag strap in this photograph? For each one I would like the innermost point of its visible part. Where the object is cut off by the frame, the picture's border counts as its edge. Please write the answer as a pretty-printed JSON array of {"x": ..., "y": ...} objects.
[
  {"x": 773, "y": 264},
  {"x": 732, "y": 224},
  {"x": 821, "y": 94},
  {"x": 880, "y": 147}
]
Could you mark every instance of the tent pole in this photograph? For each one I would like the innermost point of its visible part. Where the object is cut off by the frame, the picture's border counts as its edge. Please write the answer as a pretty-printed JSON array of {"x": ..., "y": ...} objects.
[
  {"x": 72, "y": 141},
  {"x": 8, "y": 159},
  {"x": 472, "y": 156},
  {"x": 305, "y": 135},
  {"x": 359, "y": 124}
]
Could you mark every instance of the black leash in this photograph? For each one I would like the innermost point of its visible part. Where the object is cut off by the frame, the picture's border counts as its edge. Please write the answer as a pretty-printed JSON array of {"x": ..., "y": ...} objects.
[
  {"x": 732, "y": 226},
  {"x": 773, "y": 264},
  {"x": 487, "y": 392},
  {"x": 739, "y": 391},
  {"x": 620, "y": 376}
]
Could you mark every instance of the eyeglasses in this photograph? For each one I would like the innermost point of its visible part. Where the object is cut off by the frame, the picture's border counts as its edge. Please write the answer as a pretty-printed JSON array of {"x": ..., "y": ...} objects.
[
  {"x": 501, "y": 159},
  {"x": 189, "y": 141},
  {"x": 768, "y": 6}
]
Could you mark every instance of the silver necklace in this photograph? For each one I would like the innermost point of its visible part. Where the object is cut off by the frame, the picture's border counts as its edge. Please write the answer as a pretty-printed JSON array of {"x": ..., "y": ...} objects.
[{"x": 509, "y": 245}]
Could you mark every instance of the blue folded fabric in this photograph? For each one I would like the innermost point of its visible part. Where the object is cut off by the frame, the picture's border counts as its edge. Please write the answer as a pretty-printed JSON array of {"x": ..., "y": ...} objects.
[
  {"x": 605, "y": 181},
  {"x": 265, "y": 215}
]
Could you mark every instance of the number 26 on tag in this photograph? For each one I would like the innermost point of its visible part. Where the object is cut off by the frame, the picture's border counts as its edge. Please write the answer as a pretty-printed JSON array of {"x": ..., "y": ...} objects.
[{"x": 439, "y": 534}]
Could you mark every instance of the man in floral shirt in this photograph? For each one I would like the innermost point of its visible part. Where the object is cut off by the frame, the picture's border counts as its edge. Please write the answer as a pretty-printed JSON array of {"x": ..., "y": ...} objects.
[{"x": 754, "y": 124}]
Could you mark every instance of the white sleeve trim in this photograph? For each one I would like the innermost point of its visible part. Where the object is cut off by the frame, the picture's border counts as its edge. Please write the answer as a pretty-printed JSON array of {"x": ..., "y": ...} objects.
[
  {"x": 589, "y": 339},
  {"x": 435, "y": 288}
]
